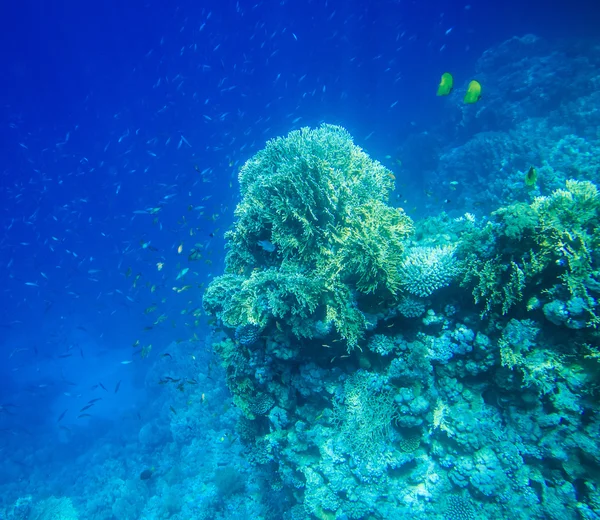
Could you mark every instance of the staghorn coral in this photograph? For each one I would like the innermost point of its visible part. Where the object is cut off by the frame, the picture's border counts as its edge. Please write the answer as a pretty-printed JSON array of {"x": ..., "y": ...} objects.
[{"x": 381, "y": 345}]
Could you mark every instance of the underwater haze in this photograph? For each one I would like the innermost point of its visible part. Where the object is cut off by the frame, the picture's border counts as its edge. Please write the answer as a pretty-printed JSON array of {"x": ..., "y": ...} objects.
[{"x": 300, "y": 260}]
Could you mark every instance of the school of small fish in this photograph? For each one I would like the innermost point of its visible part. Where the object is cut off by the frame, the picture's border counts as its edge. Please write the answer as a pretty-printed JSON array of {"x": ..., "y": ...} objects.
[{"x": 133, "y": 225}]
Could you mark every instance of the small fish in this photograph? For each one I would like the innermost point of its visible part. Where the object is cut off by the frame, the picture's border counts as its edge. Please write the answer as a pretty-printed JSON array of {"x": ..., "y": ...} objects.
[
  {"x": 80, "y": 416},
  {"x": 446, "y": 84},
  {"x": 172, "y": 410},
  {"x": 31, "y": 284},
  {"x": 146, "y": 474},
  {"x": 150, "y": 309},
  {"x": 95, "y": 400},
  {"x": 103, "y": 387},
  {"x": 182, "y": 273},
  {"x": 160, "y": 319},
  {"x": 125, "y": 363},
  {"x": 60, "y": 417},
  {"x": 118, "y": 386},
  {"x": 86, "y": 407},
  {"x": 531, "y": 177},
  {"x": 473, "y": 93},
  {"x": 135, "y": 280},
  {"x": 267, "y": 245},
  {"x": 182, "y": 289}
]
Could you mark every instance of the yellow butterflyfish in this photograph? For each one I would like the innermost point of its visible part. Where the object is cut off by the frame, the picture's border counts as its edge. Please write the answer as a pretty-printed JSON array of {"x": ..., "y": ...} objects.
[
  {"x": 446, "y": 84},
  {"x": 473, "y": 93},
  {"x": 531, "y": 177}
]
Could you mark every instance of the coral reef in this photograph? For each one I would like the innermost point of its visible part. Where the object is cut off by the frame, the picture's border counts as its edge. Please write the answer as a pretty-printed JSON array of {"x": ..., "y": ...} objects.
[
  {"x": 377, "y": 366},
  {"x": 378, "y": 385}
]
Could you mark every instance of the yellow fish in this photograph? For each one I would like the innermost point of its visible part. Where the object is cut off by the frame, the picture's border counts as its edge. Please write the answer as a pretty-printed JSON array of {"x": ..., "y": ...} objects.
[
  {"x": 531, "y": 177},
  {"x": 446, "y": 84},
  {"x": 473, "y": 93}
]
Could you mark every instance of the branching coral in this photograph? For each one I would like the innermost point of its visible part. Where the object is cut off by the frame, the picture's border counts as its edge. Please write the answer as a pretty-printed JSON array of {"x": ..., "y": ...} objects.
[
  {"x": 272, "y": 293},
  {"x": 545, "y": 250},
  {"x": 427, "y": 269},
  {"x": 299, "y": 187},
  {"x": 369, "y": 247},
  {"x": 318, "y": 202}
]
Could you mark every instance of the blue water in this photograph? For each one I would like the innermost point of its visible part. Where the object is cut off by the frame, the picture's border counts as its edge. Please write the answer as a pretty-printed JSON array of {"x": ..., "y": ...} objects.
[{"x": 122, "y": 130}]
